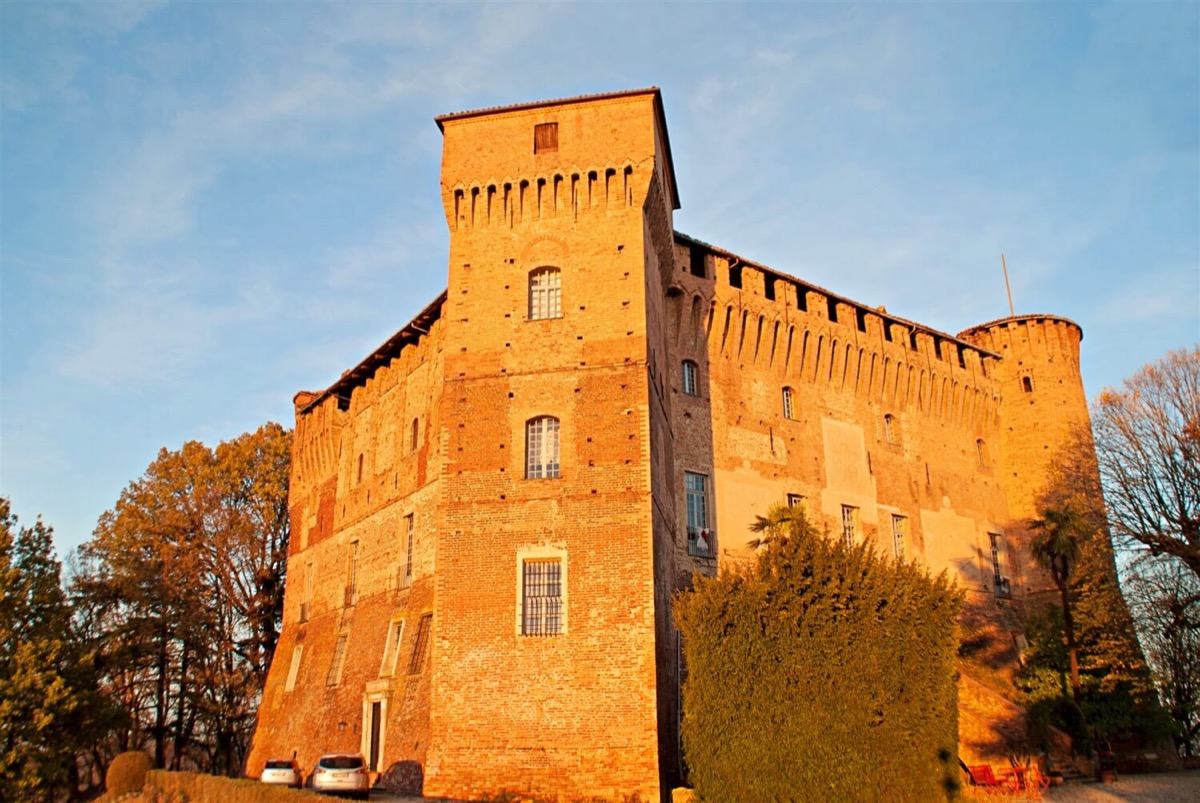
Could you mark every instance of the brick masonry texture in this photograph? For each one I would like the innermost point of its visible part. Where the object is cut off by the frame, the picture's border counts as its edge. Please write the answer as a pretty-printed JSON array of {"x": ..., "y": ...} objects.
[{"x": 911, "y": 427}]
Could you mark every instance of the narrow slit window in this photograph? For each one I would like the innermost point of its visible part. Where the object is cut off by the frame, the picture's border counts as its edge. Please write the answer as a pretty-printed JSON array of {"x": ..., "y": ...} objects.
[
  {"x": 1027, "y": 384},
  {"x": 789, "y": 409}
]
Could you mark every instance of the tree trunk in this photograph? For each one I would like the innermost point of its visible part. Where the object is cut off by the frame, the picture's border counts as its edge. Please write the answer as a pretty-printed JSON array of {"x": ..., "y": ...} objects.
[{"x": 1069, "y": 634}]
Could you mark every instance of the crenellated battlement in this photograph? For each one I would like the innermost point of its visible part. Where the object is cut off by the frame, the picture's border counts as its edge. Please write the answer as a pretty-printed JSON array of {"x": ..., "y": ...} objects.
[{"x": 769, "y": 321}]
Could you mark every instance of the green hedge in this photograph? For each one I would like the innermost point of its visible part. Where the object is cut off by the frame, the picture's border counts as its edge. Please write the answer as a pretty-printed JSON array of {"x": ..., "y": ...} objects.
[{"x": 822, "y": 673}]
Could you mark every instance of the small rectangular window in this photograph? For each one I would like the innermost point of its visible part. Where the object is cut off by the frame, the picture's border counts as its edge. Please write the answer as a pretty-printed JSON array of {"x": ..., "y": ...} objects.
[
  {"x": 831, "y": 307},
  {"x": 541, "y": 598},
  {"x": 769, "y": 287},
  {"x": 890, "y": 433},
  {"x": 391, "y": 649},
  {"x": 339, "y": 661},
  {"x": 697, "y": 262},
  {"x": 1027, "y": 384},
  {"x": 849, "y": 525},
  {"x": 545, "y": 138},
  {"x": 789, "y": 411},
  {"x": 689, "y": 378},
  {"x": 899, "y": 535},
  {"x": 795, "y": 500},
  {"x": 294, "y": 668},
  {"x": 420, "y": 645}
]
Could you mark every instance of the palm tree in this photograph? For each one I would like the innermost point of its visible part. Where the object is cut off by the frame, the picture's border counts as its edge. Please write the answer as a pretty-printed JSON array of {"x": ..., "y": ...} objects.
[{"x": 1055, "y": 547}]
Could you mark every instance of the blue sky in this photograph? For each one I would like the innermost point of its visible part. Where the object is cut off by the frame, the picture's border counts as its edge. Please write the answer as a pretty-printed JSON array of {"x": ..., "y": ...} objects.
[{"x": 210, "y": 206}]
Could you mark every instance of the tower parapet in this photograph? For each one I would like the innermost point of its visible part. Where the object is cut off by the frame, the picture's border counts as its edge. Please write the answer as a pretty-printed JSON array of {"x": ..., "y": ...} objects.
[{"x": 1041, "y": 398}]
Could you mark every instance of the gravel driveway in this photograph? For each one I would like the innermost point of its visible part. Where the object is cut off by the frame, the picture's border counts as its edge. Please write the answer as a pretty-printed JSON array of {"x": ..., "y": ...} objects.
[{"x": 1160, "y": 787}]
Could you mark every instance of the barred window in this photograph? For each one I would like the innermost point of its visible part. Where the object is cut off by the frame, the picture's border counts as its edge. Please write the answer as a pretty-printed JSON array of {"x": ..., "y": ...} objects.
[
  {"x": 849, "y": 525},
  {"x": 541, "y": 448},
  {"x": 788, "y": 409},
  {"x": 690, "y": 385},
  {"x": 545, "y": 294},
  {"x": 339, "y": 660},
  {"x": 420, "y": 645},
  {"x": 899, "y": 535},
  {"x": 541, "y": 598},
  {"x": 795, "y": 500}
]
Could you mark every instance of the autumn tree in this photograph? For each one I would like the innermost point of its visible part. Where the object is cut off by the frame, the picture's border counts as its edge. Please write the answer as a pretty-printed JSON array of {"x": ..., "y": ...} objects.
[
  {"x": 1165, "y": 598},
  {"x": 1148, "y": 446},
  {"x": 181, "y": 589}
]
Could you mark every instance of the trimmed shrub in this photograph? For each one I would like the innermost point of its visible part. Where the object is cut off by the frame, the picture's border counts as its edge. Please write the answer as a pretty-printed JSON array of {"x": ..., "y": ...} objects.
[
  {"x": 821, "y": 673},
  {"x": 127, "y": 773}
]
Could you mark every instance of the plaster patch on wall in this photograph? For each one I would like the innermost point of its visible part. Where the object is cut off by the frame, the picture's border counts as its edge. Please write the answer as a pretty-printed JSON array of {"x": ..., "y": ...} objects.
[
  {"x": 848, "y": 479},
  {"x": 952, "y": 541}
]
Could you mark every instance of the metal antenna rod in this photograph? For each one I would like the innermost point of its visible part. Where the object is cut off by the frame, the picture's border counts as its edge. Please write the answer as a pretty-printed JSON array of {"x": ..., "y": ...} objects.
[{"x": 1008, "y": 287}]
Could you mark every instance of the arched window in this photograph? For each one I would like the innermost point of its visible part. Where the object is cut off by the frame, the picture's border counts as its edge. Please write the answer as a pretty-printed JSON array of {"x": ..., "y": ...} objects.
[
  {"x": 789, "y": 410},
  {"x": 415, "y": 436},
  {"x": 545, "y": 294},
  {"x": 541, "y": 448},
  {"x": 690, "y": 385}
]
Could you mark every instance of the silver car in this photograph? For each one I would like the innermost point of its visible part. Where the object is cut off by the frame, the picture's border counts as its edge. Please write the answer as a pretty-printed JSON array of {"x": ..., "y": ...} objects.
[
  {"x": 284, "y": 771},
  {"x": 342, "y": 774}
]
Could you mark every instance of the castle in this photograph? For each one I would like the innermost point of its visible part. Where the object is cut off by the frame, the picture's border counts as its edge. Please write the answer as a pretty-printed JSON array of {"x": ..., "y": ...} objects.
[{"x": 490, "y": 513}]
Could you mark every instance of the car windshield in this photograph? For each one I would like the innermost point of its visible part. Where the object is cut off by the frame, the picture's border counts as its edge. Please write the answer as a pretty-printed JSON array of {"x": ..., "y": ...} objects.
[
  {"x": 279, "y": 764},
  {"x": 341, "y": 762}
]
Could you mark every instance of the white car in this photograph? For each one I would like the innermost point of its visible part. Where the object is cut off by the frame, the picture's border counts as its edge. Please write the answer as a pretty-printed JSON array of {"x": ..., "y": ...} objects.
[
  {"x": 342, "y": 774},
  {"x": 284, "y": 771}
]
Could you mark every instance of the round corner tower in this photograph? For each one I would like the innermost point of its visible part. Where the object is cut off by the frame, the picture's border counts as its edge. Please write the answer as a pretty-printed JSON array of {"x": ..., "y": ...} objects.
[{"x": 1042, "y": 400}]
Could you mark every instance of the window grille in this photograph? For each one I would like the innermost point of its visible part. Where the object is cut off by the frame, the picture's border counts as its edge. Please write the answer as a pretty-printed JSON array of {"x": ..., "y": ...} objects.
[
  {"x": 541, "y": 448},
  {"x": 889, "y": 430},
  {"x": 541, "y": 598},
  {"x": 788, "y": 409},
  {"x": 795, "y": 500},
  {"x": 420, "y": 645},
  {"x": 690, "y": 386},
  {"x": 339, "y": 660},
  {"x": 545, "y": 294},
  {"x": 981, "y": 452},
  {"x": 1000, "y": 583},
  {"x": 849, "y": 525}
]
